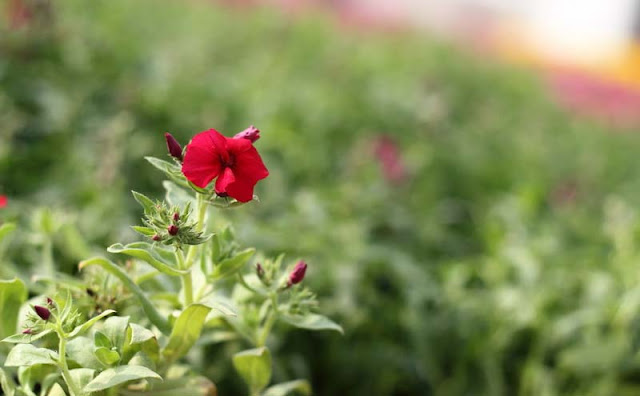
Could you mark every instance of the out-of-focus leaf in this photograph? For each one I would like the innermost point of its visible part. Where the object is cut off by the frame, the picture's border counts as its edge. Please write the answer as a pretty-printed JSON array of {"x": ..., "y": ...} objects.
[
  {"x": 119, "y": 375},
  {"x": 254, "y": 366},
  {"x": 230, "y": 266},
  {"x": 87, "y": 325},
  {"x": 154, "y": 316},
  {"x": 13, "y": 293},
  {"x": 312, "y": 322},
  {"x": 301, "y": 387}
]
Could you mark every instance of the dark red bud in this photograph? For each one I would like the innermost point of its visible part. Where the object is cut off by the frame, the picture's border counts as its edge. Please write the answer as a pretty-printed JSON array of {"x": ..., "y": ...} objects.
[
  {"x": 176, "y": 216},
  {"x": 42, "y": 312},
  {"x": 173, "y": 146},
  {"x": 27, "y": 331},
  {"x": 259, "y": 271},
  {"x": 297, "y": 275},
  {"x": 172, "y": 229},
  {"x": 252, "y": 133},
  {"x": 49, "y": 302},
  {"x": 156, "y": 237}
]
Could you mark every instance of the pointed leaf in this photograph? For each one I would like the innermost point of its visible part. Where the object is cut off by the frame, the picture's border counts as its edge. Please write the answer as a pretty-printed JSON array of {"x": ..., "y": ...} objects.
[
  {"x": 107, "y": 356},
  {"x": 147, "y": 204},
  {"x": 186, "y": 331},
  {"x": 139, "y": 334},
  {"x": 312, "y": 322},
  {"x": 232, "y": 265},
  {"x": 13, "y": 293},
  {"x": 26, "y": 338},
  {"x": 87, "y": 325},
  {"x": 287, "y": 388},
  {"x": 28, "y": 355},
  {"x": 82, "y": 376},
  {"x": 254, "y": 365},
  {"x": 148, "y": 253},
  {"x": 119, "y": 375}
]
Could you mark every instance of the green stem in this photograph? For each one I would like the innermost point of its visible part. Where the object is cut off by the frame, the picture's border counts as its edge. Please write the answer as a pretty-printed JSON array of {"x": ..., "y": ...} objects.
[
  {"x": 187, "y": 281},
  {"x": 271, "y": 320},
  {"x": 202, "y": 211},
  {"x": 62, "y": 351}
]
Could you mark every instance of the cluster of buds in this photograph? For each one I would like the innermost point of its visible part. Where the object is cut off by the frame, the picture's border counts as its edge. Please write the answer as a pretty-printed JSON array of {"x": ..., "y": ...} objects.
[
  {"x": 37, "y": 322},
  {"x": 168, "y": 224}
]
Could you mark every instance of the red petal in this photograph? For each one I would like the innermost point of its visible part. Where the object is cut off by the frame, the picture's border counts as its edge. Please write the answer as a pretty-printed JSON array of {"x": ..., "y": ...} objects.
[
  {"x": 249, "y": 165},
  {"x": 225, "y": 179},
  {"x": 3, "y": 201},
  {"x": 202, "y": 158},
  {"x": 238, "y": 146},
  {"x": 242, "y": 190}
]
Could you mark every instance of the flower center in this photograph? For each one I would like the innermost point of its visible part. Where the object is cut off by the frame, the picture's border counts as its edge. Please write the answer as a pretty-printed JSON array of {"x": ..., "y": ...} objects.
[{"x": 229, "y": 161}]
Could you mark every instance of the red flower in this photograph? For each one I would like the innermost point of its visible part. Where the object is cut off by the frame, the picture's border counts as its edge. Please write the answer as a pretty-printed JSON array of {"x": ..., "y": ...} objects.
[
  {"x": 3, "y": 201},
  {"x": 234, "y": 161}
]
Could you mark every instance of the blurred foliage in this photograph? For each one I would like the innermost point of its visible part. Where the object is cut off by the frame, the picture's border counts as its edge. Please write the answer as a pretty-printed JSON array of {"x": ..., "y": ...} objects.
[{"x": 504, "y": 263}]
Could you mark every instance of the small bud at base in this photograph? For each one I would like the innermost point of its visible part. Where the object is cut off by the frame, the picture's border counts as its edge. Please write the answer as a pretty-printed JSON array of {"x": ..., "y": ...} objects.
[
  {"x": 156, "y": 238},
  {"x": 173, "y": 146},
  {"x": 176, "y": 216},
  {"x": 49, "y": 302},
  {"x": 42, "y": 312},
  {"x": 252, "y": 133},
  {"x": 297, "y": 275},
  {"x": 27, "y": 331},
  {"x": 172, "y": 229}
]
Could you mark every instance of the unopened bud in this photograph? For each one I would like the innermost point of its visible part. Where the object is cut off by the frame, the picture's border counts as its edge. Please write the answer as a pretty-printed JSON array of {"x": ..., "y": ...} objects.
[
  {"x": 172, "y": 229},
  {"x": 260, "y": 271},
  {"x": 42, "y": 312},
  {"x": 176, "y": 216},
  {"x": 49, "y": 302},
  {"x": 297, "y": 275},
  {"x": 252, "y": 133},
  {"x": 156, "y": 237},
  {"x": 173, "y": 146},
  {"x": 27, "y": 331}
]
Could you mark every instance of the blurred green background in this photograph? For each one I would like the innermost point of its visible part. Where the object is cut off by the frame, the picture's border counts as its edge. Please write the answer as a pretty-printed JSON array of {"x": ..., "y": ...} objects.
[{"x": 471, "y": 238}]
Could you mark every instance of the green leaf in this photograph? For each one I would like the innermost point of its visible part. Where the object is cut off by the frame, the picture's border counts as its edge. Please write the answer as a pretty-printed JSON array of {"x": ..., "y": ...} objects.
[
  {"x": 146, "y": 231},
  {"x": 142, "y": 359},
  {"x": 56, "y": 390},
  {"x": 80, "y": 350},
  {"x": 28, "y": 355},
  {"x": 101, "y": 340},
  {"x": 13, "y": 293},
  {"x": 116, "y": 329},
  {"x": 66, "y": 309},
  {"x": 312, "y": 322},
  {"x": 185, "y": 385},
  {"x": 176, "y": 195},
  {"x": 148, "y": 253},
  {"x": 286, "y": 388},
  {"x": 139, "y": 334},
  {"x": 216, "y": 303},
  {"x": 7, "y": 384},
  {"x": 87, "y": 325},
  {"x": 107, "y": 356},
  {"x": 26, "y": 338},
  {"x": 6, "y": 229},
  {"x": 186, "y": 331},
  {"x": 149, "y": 309},
  {"x": 116, "y": 376},
  {"x": 231, "y": 265},
  {"x": 254, "y": 365},
  {"x": 147, "y": 204},
  {"x": 173, "y": 172},
  {"x": 82, "y": 376}
]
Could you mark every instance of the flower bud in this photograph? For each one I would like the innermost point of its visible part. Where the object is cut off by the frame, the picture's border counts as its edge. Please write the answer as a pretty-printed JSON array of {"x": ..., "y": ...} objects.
[
  {"x": 173, "y": 229},
  {"x": 42, "y": 312},
  {"x": 260, "y": 271},
  {"x": 173, "y": 146},
  {"x": 27, "y": 331},
  {"x": 156, "y": 238},
  {"x": 176, "y": 217},
  {"x": 252, "y": 133},
  {"x": 297, "y": 275},
  {"x": 49, "y": 302}
]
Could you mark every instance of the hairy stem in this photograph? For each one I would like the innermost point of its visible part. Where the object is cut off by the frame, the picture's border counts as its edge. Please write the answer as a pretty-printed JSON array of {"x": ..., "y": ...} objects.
[
  {"x": 271, "y": 320},
  {"x": 202, "y": 212},
  {"x": 187, "y": 281},
  {"x": 66, "y": 375}
]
